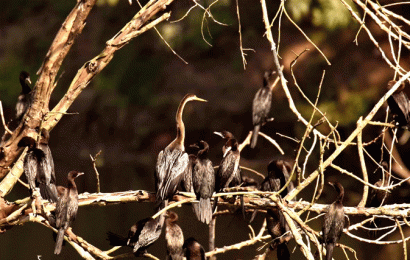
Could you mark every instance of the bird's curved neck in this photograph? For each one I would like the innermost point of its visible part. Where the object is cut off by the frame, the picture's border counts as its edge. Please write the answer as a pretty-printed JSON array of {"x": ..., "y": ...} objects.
[
  {"x": 24, "y": 86},
  {"x": 203, "y": 153},
  {"x": 179, "y": 140},
  {"x": 71, "y": 183},
  {"x": 339, "y": 198}
]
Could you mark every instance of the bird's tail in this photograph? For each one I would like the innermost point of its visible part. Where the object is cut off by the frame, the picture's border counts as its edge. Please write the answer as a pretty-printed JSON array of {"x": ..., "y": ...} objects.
[
  {"x": 59, "y": 241},
  {"x": 48, "y": 192},
  {"x": 283, "y": 252},
  {"x": 116, "y": 240},
  {"x": 205, "y": 210},
  {"x": 329, "y": 251},
  {"x": 255, "y": 134}
]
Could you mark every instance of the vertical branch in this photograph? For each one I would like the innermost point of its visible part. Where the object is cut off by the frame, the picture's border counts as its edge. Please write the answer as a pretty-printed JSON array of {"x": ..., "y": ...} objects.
[
  {"x": 96, "y": 171},
  {"x": 403, "y": 238},
  {"x": 360, "y": 148},
  {"x": 212, "y": 236}
]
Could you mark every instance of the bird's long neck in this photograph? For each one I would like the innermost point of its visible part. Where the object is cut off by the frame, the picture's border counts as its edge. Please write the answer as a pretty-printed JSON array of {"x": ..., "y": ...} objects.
[
  {"x": 202, "y": 154},
  {"x": 71, "y": 184},
  {"x": 24, "y": 86},
  {"x": 179, "y": 140},
  {"x": 341, "y": 191}
]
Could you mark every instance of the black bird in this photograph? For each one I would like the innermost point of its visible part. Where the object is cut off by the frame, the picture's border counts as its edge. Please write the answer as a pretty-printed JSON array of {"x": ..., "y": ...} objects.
[
  {"x": 203, "y": 178},
  {"x": 277, "y": 227},
  {"x": 193, "y": 250},
  {"x": 174, "y": 237},
  {"x": 228, "y": 173},
  {"x": 379, "y": 197},
  {"x": 186, "y": 182},
  {"x": 278, "y": 175},
  {"x": 39, "y": 168},
  {"x": 24, "y": 99},
  {"x": 334, "y": 221},
  {"x": 399, "y": 105},
  {"x": 140, "y": 236},
  {"x": 173, "y": 160},
  {"x": 66, "y": 209},
  {"x": 261, "y": 106}
]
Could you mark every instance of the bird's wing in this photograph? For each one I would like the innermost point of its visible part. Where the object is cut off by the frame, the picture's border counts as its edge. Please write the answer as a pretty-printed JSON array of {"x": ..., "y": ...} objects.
[
  {"x": 179, "y": 163},
  {"x": 31, "y": 168}
]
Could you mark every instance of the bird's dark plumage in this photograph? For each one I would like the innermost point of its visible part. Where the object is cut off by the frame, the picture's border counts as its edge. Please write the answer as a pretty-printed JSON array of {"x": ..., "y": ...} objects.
[
  {"x": 278, "y": 175},
  {"x": 174, "y": 237},
  {"x": 66, "y": 209},
  {"x": 228, "y": 170},
  {"x": 140, "y": 236},
  {"x": 39, "y": 168},
  {"x": 260, "y": 107},
  {"x": 334, "y": 221},
  {"x": 399, "y": 105},
  {"x": 173, "y": 160},
  {"x": 24, "y": 99},
  {"x": 203, "y": 178},
  {"x": 228, "y": 173},
  {"x": 277, "y": 227},
  {"x": 193, "y": 250}
]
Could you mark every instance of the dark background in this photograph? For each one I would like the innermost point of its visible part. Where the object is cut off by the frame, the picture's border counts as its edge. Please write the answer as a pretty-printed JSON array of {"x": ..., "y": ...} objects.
[{"x": 128, "y": 110}]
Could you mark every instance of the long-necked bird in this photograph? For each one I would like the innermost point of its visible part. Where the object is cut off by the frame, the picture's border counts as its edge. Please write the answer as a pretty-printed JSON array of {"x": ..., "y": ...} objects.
[
  {"x": 66, "y": 209},
  {"x": 334, "y": 221},
  {"x": 173, "y": 160}
]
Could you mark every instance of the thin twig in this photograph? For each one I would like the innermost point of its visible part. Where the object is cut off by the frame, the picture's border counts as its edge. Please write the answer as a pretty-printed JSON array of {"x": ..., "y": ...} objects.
[
  {"x": 96, "y": 171},
  {"x": 2, "y": 120}
]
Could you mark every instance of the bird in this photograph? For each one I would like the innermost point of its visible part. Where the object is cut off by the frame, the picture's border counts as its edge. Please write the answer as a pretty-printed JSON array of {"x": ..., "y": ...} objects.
[
  {"x": 203, "y": 178},
  {"x": 39, "y": 167},
  {"x": 277, "y": 227},
  {"x": 278, "y": 175},
  {"x": 186, "y": 182},
  {"x": 261, "y": 106},
  {"x": 173, "y": 160},
  {"x": 193, "y": 249},
  {"x": 66, "y": 209},
  {"x": 228, "y": 173},
  {"x": 399, "y": 105},
  {"x": 379, "y": 197},
  {"x": 174, "y": 237},
  {"x": 24, "y": 99},
  {"x": 140, "y": 236},
  {"x": 334, "y": 221}
]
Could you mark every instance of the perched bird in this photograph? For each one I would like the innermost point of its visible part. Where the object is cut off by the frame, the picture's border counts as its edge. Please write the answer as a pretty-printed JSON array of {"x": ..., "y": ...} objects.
[
  {"x": 174, "y": 237},
  {"x": 399, "y": 105},
  {"x": 277, "y": 227},
  {"x": 334, "y": 221},
  {"x": 24, "y": 99},
  {"x": 228, "y": 173},
  {"x": 203, "y": 178},
  {"x": 278, "y": 175},
  {"x": 193, "y": 250},
  {"x": 140, "y": 236},
  {"x": 173, "y": 160},
  {"x": 379, "y": 197},
  {"x": 186, "y": 182},
  {"x": 39, "y": 168},
  {"x": 261, "y": 106},
  {"x": 66, "y": 209}
]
